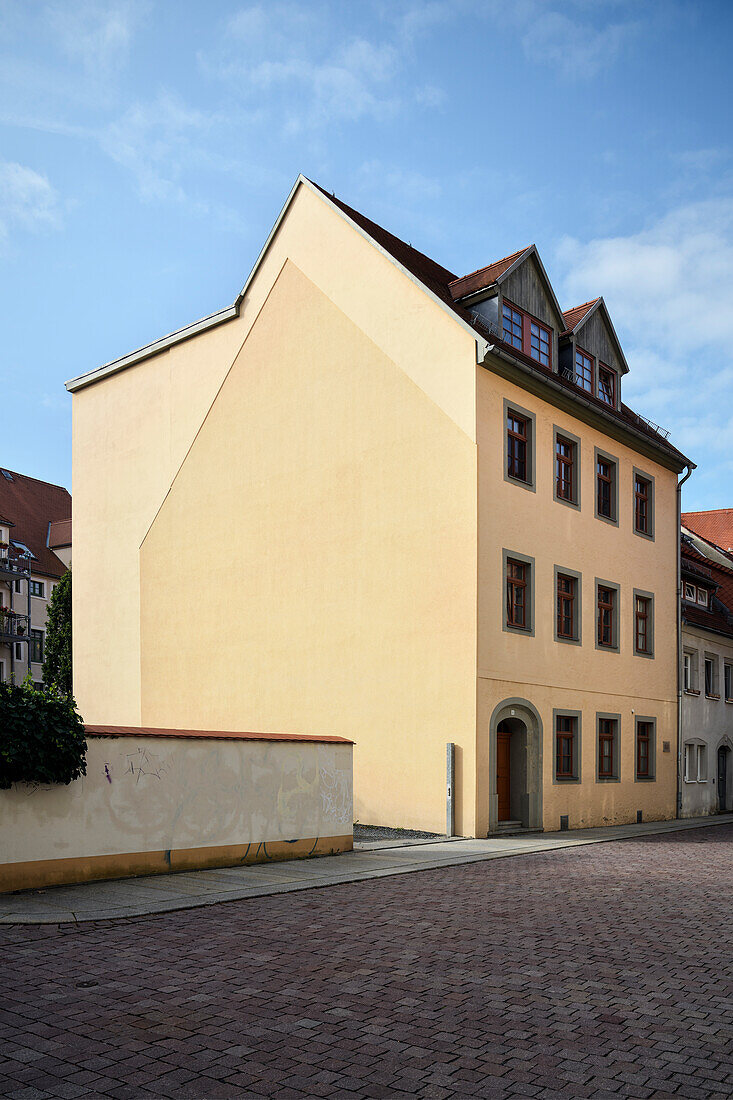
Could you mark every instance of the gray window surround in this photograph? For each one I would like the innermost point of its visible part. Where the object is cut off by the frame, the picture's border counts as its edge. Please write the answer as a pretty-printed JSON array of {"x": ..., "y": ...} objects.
[
  {"x": 636, "y": 472},
  {"x": 578, "y": 623},
  {"x": 560, "y": 712},
  {"x": 526, "y": 630},
  {"x": 694, "y": 688},
  {"x": 696, "y": 743},
  {"x": 531, "y": 483},
  {"x": 615, "y": 648},
  {"x": 652, "y": 777},
  {"x": 557, "y": 431},
  {"x": 598, "y": 453},
  {"x": 616, "y": 778},
  {"x": 713, "y": 659},
  {"x": 650, "y": 624}
]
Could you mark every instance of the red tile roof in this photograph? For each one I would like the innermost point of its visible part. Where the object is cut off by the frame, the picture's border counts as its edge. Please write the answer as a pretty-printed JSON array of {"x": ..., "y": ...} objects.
[
  {"x": 720, "y": 615},
  {"x": 439, "y": 280},
  {"x": 215, "y": 735},
  {"x": 59, "y": 533},
  {"x": 484, "y": 277},
  {"x": 32, "y": 505},
  {"x": 716, "y": 525},
  {"x": 575, "y": 315}
]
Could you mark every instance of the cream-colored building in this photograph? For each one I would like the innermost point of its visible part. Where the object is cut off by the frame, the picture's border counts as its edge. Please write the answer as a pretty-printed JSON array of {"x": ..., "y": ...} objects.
[{"x": 375, "y": 500}]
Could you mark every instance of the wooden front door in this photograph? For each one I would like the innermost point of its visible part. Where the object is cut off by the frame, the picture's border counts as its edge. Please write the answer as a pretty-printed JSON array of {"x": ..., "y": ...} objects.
[{"x": 502, "y": 775}]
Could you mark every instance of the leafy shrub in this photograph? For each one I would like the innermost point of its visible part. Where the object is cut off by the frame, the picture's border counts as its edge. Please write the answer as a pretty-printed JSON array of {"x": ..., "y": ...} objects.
[
  {"x": 42, "y": 737},
  {"x": 57, "y": 662}
]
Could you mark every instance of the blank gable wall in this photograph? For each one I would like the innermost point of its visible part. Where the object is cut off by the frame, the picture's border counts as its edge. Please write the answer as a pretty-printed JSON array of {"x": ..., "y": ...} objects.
[
  {"x": 313, "y": 568},
  {"x": 131, "y": 431}
]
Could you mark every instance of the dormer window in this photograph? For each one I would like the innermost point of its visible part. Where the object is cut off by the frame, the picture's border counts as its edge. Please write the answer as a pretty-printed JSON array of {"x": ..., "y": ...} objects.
[
  {"x": 526, "y": 334},
  {"x": 607, "y": 385},
  {"x": 512, "y": 325},
  {"x": 539, "y": 343},
  {"x": 584, "y": 370},
  {"x": 702, "y": 597},
  {"x": 695, "y": 593}
]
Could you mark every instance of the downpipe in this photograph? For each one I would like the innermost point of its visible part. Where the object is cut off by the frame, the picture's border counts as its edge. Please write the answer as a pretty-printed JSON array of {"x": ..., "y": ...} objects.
[{"x": 690, "y": 467}]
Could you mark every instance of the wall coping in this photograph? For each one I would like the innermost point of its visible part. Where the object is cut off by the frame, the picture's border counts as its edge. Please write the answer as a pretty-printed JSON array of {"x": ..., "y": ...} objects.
[{"x": 214, "y": 735}]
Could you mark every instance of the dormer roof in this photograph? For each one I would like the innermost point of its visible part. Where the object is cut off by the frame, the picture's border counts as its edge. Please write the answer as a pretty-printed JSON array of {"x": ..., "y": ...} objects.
[
  {"x": 578, "y": 316},
  {"x": 488, "y": 276}
]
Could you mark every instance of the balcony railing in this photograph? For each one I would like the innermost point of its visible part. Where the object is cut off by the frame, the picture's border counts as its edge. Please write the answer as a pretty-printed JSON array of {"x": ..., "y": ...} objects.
[
  {"x": 14, "y": 626},
  {"x": 14, "y": 561}
]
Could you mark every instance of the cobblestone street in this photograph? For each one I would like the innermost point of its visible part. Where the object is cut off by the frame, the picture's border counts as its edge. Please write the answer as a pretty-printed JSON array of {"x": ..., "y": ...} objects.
[{"x": 595, "y": 971}]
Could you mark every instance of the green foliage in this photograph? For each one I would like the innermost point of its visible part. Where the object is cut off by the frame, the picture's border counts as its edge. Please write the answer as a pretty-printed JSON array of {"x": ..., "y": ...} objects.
[
  {"x": 42, "y": 736},
  {"x": 57, "y": 663}
]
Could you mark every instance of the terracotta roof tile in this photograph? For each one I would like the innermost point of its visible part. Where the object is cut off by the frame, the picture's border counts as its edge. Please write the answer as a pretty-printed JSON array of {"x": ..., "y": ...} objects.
[
  {"x": 716, "y": 526},
  {"x": 575, "y": 315},
  {"x": 720, "y": 615},
  {"x": 484, "y": 277},
  {"x": 32, "y": 505}
]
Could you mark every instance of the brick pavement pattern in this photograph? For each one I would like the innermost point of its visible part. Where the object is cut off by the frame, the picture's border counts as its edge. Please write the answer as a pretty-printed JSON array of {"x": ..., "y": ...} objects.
[{"x": 601, "y": 971}]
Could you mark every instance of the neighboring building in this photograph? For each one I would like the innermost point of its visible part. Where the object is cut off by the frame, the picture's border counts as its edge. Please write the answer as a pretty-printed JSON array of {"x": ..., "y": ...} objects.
[
  {"x": 376, "y": 500},
  {"x": 715, "y": 526},
  {"x": 706, "y": 779},
  {"x": 35, "y": 552}
]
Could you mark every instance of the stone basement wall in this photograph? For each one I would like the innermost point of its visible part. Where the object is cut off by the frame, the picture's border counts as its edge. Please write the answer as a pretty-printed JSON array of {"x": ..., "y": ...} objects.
[{"x": 154, "y": 801}]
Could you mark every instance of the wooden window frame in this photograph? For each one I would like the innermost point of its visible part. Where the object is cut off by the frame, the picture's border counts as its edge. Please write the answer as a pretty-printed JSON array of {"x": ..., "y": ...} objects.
[
  {"x": 566, "y": 609},
  {"x": 727, "y": 681},
  {"x": 607, "y": 732},
  {"x": 645, "y": 616},
  {"x": 566, "y": 724},
  {"x": 583, "y": 355},
  {"x": 685, "y": 594},
  {"x": 604, "y": 480},
  {"x": 524, "y": 584},
  {"x": 705, "y": 601},
  {"x": 517, "y": 440},
  {"x": 602, "y": 607},
  {"x": 645, "y": 734},
  {"x": 606, "y": 371},
  {"x": 512, "y": 410},
  {"x": 516, "y": 584},
  {"x": 35, "y": 645},
  {"x": 564, "y": 480},
  {"x": 526, "y": 322},
  {"x": 561, "y": 436},
  {"x": 41, "y": 594},
  {"x": 640, "y": 497},
  {"x": 610, "y": 479},
  {"x": 710, "y": 660}
]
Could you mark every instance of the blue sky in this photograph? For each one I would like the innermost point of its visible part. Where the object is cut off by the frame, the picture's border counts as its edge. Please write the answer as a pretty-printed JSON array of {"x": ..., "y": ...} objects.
[{"x": 146, "y": 149}]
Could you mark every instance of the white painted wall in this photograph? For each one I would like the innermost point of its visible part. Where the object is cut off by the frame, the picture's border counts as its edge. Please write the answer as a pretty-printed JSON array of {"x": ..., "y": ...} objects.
[{"x": 707, "y": 722}]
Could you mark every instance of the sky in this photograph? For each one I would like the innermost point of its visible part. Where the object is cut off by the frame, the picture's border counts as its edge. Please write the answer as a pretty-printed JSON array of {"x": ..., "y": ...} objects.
[{"x": 147, "y": 147}]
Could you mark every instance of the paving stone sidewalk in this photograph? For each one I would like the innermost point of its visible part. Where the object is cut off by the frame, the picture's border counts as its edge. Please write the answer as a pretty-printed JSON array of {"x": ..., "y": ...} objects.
[
  {"x": 602, "y": 970},
  {"x": 371, "y": 859}
]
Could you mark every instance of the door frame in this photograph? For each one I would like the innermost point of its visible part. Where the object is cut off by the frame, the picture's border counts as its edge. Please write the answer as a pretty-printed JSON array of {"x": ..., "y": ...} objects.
[
  {"x": 724, "y": 744},
  {"x": 527, "y": 713}
]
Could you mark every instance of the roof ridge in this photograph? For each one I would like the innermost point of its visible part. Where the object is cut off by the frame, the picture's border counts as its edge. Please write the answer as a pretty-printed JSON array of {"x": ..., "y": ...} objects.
[{"x": 590, "y": 302}]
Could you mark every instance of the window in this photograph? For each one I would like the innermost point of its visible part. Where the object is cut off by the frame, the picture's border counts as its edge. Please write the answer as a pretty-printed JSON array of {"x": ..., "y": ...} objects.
[
  {"x": 694, "y": 593},
  {"x": 523, "y": 332},
  {"x": 690, "y": 592},
  {"x": 645, "y": 737},
  {"x": 606, "y": 617},
  {"x": 643, "y": 624},
  {"x": 517, "y": 443},
  {"x": 566, "y": 750},
  {"x": 564, "y": 469},
  {"x": 607, "y": 747},
  {"x": 36, "y": 645},
  {"x": 687, "y": 671},
  {"x": 37, "y": 588},
  {"x": 695, "y": 763},
  {"x": 566, "y": 616},
  {"x": 516, "y": 594},
  {"x": 711, "y": 677},
  {"x": 512, "y": 325},
  {"x": 539, "y": 343},
  {"x": 728, "y": 682},
  {"x": 607, "y": 385},
  {"x": 584, "y": 370},
  {"x": 604, "y": 473},
  {"x": 642, "y": 505},
  {"x": 18, "y": 651},
  {"x": 17, "y": 584},
  {"x": 702, "y": 597}
]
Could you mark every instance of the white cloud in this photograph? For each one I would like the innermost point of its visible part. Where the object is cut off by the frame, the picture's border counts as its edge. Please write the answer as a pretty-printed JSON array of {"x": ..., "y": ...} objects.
[
  {"x": 669, "y": 288},
  {"x": 574, "y": 47},
  {"x": 295, "y": 63},
  {"x": 27, "y": 199},
  {"x": 94, "y": 33}
]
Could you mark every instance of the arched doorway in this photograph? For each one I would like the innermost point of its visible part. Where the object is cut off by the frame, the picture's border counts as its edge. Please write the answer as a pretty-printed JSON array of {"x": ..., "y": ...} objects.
[
  {"x": 725, "y": 793},
  {"x": 515, "y": 763}
]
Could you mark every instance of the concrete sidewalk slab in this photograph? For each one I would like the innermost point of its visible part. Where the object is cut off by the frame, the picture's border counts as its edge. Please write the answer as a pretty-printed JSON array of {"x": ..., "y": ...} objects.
[{"x": 130, "y": 897}]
